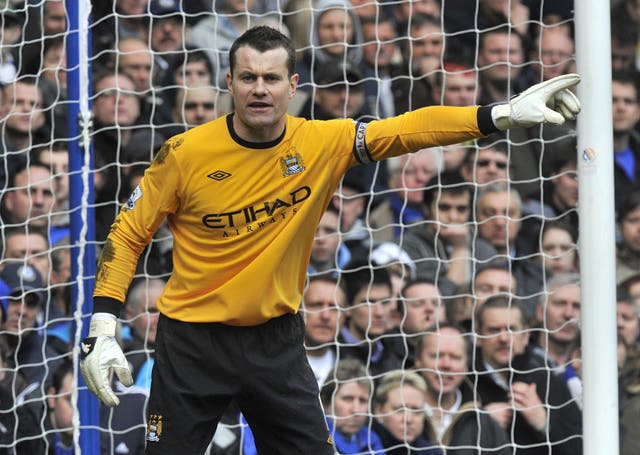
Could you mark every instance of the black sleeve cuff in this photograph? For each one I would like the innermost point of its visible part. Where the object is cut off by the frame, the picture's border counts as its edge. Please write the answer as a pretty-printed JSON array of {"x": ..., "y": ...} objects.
[
  {"x": 485, "y": 122},
  {"x": 107, "y": 305}
]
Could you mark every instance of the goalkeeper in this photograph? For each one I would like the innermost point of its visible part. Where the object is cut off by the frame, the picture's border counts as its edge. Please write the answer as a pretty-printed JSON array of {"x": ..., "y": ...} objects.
[{"x": 243, "y": 195}]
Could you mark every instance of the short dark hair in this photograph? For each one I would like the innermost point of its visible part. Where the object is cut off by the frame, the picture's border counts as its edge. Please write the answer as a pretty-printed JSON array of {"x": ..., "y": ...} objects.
[
  {"x": 358, "y": 277},
  {"x": 450, "y": 182},
  {"x": 498, "y": 301},
  {"x": 263, "y": 38},
  {"x": 628, "y": 205},
  {"x": 628, "y": 77}
]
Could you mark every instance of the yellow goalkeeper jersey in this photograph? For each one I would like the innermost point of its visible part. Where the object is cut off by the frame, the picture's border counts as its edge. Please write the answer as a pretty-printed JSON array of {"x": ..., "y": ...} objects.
[{"x": 243, "y": 215}]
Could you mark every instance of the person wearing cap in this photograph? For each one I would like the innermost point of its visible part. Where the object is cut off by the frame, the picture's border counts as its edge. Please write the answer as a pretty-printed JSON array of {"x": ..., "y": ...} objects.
[
  {"x": 25, "y": 303},
  {"x": 243, "y": 196}
]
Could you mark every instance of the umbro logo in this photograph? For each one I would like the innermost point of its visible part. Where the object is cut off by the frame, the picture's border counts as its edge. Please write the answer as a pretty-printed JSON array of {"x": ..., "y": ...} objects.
[{"x": 219, "y": 175}]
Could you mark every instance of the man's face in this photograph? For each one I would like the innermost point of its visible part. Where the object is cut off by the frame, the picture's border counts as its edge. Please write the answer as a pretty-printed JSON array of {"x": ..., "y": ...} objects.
[
  {"x": 116, "y": 102},
  {"x": 411, "y": 7},
  {"x": 499, "y": 219},
  {"x": 54, "y": 64},
  {"x": 327, "y": 239},
  {"x": 380, "y": 47},
  {"x": 144, "y": 315},
  {"x": 403, "y": 413},
  {"x": 556, "y": 52},
  {"x": 565, "y": 187},
  {"x": 413, "y": 174},
  {"x": 491, "y": 282},
  {"x": 500, "y": 57},
  {"x": 321, "y": 303},
  {"x": 561, "y": 317},
  {"x": 627, "y": 322},
  {"x": 460, "y": 89},
  {"x": 490, "y": 165},
  {"x": 335, "y": 31},
  {"x": 31, "y": 248},
  {"x": 502, "y": 336},
  {"x": 166, "y": 34},
  {"x": 135, "y": 60},
  {"x": 630, "y": 229},
  {"x": 351, "y": 205},
  {"x": 451, "y": 211},
  {"x": 559, "y": 251},
  {"x": 626, "y": 109},
  {"x": 427, "y": 41},
  {"x": 340, "y": 102},
  {"x": 196, "y": 106},
  {"x": 22, "y": 314},
  {"x": 22, "y": 106},
  {"x": 54, "y": 20},
  {"x": 193, "y": 74},
  {"x": 58, "y": 161},
  {"x": 261, "y": 88},
  {"x": 350, "y": 407},
  {"x": 60, "y": 404},
  {"x": 443, "y": 361},
  {"x": 422, "y": 306},
  {"x": 32, "y": 198},
  {"x": 370, "y": 312}
]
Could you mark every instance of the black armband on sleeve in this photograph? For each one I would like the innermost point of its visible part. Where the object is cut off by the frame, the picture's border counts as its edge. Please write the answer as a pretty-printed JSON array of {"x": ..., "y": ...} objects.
[
  {"x": 485, "y": 121},
  {"x": 107, "y": 305}
]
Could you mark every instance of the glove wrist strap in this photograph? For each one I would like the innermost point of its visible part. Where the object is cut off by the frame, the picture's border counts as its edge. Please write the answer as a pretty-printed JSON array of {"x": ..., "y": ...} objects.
[
  {"x": 501, "y": 115},
  {"x": 102, "y": 324}
]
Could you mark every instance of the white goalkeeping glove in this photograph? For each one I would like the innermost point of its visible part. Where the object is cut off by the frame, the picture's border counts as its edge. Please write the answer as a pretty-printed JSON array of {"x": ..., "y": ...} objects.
[
  {"x": 101, "y": 355},
  {"x": 547, "y": 102}
]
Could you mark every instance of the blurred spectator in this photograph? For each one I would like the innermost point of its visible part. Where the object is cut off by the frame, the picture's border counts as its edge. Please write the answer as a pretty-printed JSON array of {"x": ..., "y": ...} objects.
[
  {"x": 625, "y": 21},
  {"x": 405, "y": 12},
  {"x": 400, "y": 414},
  {"x": 12, "y": 21},
  {"x": 29, "y": 198},
  {"x": 628, "y": 250},
  {"x": 53, "y": 83},
  {"x": 418, "y": 308},
  {"x": 336, "y": 37},
  {"x": 492, "y": 280},
  {"x": 558, "y": 317},
  {"x": 422, "y": 52},
  {"x": 34, "y": 358},
  {"x": 345, "y": 396},
  {"x": 169, "y": 27},
  {"x": 350, "y": 201},
  {"x": 626, "y": 143},
  {"x": 322, "y": 305},
  {"x": 407, "y": 178},
  {"x": 623, "y": 49},
  {"x": 27, "y": 246},
  {"x": 444, "y": 248},
  {"x": 23, "y": 123},
  {"x": 216, "y": 32},
  {"x": 628, "y": 322},
  {"x": 400, "y": 266},
  {"x": 368, "y": 315},
  {"x": 56, "y": 156},
  {"x": 500, "y": 58},
  {"x": 531, "y": 403},
  {"x": 339, "y": 94},
  {"x": 456, "y": 84},
  {"x": 142, "y": 317},
  {"x": 328, "y": 253},
  {"x": 561, "y": 195},
  {"x": 20, "y": 411},
  {"x": 488, "y": 163},
  {"x": 45, "y": 21},
  {"x": 442, "y": 359},
  {"x": 193, "y": 105},
  {"x": 558, "y": 245},
  {"x": 380, "y": 53},
  {"x": 499, "y": 218},
  {"x": 551, "y": 55}
]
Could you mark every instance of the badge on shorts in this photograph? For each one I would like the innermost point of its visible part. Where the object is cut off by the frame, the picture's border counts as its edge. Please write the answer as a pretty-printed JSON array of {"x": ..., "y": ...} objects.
[{"x": 154, "y": 428}]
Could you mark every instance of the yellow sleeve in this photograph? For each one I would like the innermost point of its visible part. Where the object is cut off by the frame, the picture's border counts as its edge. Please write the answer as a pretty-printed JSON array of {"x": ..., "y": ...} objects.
[
  {"x": 426, "y": 127},
  {"x": 151, "y": 202}
]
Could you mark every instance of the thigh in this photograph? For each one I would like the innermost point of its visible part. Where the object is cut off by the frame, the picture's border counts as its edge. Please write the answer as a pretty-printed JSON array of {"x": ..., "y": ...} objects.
[
  {"x": 280, "y": 397},
  {"x": 189, "y": 391}
]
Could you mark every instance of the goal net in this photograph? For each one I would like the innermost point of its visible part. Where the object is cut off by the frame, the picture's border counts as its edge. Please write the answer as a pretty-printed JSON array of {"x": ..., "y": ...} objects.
[{"x": 404, "y": 258}]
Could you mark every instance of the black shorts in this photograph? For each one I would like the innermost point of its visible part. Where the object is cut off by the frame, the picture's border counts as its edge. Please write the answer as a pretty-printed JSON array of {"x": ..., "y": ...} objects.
[{"x": 200, "y": 367}]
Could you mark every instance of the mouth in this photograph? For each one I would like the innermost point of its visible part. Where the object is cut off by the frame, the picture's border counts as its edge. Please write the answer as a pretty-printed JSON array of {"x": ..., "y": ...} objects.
[{"x": 259, "y": 106}]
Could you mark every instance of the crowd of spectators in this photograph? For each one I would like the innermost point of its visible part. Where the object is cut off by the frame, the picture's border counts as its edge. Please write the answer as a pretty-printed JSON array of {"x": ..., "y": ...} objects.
[{"x": 442, "y": 306}]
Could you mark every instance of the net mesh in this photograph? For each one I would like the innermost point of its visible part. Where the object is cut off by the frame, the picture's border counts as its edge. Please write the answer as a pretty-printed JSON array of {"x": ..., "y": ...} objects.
[{"x": 489, "y": 218}]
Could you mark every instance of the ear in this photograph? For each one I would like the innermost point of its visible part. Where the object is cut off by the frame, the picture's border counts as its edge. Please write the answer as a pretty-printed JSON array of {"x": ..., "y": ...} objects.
[
  {"x": 293, "y": 84},
  {"x": 229, "y": 80}
]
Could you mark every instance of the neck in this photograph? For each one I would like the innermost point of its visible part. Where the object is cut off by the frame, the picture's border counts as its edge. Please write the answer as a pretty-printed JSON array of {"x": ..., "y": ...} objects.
[
  {"x": 620, "y": 140},
  {"x": 317, "y": 351},
  {"x": 444, "y": 401},
  {"x": 560, "y": 353}
]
